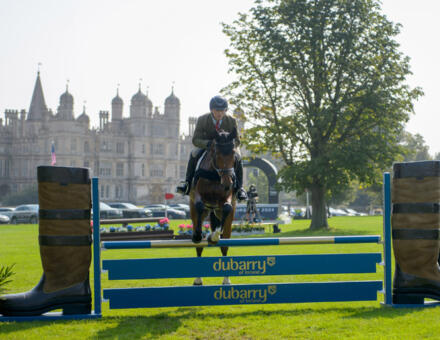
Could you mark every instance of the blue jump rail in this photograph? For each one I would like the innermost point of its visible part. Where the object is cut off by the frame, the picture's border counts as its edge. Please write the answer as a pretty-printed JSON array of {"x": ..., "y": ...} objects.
[
  {"x": 136, "y": 269},
  {"x": 242, "y": 294},
  {"x": 241, "y": 242}
]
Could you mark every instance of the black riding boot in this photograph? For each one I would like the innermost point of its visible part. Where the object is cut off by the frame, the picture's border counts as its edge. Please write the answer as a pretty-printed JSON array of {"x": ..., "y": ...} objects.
[
  {"x": 64, "y": 235},
  {"x": 241, "y": 193},
  {"x": 185, "y": 187}
]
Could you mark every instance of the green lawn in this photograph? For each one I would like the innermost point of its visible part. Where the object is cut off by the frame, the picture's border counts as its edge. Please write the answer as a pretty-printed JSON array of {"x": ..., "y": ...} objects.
[{"x": 356, "y": 320}]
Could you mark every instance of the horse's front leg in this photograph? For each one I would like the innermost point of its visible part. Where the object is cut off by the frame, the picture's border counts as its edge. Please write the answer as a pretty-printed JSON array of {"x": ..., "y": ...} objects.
[
  {"x": 226, "y": 212},
  {"x": 197, "y": 228},
  {"x": 226, "y": 233}
]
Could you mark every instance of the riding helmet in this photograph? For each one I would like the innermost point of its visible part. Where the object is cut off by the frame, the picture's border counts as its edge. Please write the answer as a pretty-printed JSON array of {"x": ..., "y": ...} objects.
[{"x": 218, "y": 103}]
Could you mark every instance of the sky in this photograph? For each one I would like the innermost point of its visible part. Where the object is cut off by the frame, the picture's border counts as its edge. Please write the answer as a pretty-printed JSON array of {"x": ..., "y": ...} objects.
[{"x": 92, "y": 46}]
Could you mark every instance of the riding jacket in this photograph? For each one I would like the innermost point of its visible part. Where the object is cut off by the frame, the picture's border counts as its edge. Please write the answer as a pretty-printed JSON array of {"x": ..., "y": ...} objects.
[{"x": 205, "y": 129}]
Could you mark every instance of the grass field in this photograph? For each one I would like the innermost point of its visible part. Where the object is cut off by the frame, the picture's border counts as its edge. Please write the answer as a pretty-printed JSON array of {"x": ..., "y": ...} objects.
[{"x": 349, "y": 320}]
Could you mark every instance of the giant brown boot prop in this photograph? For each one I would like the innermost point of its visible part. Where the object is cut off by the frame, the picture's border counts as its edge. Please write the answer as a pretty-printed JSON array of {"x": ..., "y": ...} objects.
[
  {"x": 65, "y": 236},
  {"x": 415, "y": 228}
]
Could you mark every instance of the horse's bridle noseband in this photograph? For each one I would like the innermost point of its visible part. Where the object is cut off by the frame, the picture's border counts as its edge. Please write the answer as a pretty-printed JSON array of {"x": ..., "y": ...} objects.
[{"x": 222, "y": 171}]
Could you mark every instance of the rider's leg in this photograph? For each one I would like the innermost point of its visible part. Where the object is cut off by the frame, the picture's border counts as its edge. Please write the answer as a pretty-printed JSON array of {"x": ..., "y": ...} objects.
[
  {"x": 241, "y": 193},
  {"x": 185, "y": 187}
]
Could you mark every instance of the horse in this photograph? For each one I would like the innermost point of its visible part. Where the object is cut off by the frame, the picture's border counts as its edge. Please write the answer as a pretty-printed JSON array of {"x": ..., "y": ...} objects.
[{"x": 212, "y": 193}]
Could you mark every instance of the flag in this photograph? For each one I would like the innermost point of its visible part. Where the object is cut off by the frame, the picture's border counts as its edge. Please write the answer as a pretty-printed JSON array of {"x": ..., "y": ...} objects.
[
  {"x": 53, "y": 156},
  {"x": 168, "y": 196}
]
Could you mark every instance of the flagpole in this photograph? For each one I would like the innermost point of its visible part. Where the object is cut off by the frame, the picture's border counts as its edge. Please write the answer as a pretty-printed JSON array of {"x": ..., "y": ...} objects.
[{"x": 53, "y": 157}]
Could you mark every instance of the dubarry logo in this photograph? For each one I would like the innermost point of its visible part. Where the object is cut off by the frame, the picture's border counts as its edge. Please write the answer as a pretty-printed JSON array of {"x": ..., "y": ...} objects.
[
  {"x": 245, "y": 295},
  {"x": 271, "y": 261},
  {"x": 244, "y": 267},
  {"x": 272, "y": 290}
]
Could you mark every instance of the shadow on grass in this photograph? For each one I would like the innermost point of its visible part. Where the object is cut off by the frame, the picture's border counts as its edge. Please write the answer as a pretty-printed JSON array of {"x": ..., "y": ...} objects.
[
  {"x": 136, "y": 327},
  {"x": 133, "y": 327},
  {"x": 384, "y": 312}
]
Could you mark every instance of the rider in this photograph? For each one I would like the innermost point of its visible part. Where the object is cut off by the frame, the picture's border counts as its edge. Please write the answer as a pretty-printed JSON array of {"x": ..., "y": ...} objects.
[{"x": 205, "y": 131}]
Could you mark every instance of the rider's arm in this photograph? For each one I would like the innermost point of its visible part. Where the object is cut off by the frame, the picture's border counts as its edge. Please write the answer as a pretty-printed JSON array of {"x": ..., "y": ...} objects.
[
  {"x": 199, "y": 137},
  {"x": 237, "y": 139}
]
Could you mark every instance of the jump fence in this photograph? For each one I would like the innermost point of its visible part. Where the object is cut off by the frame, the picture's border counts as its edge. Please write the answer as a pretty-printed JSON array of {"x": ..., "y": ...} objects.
[{"x": 264, "y": 293}]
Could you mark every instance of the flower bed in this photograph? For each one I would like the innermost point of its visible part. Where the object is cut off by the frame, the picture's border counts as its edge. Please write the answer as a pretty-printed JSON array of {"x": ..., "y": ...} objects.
[
  {"x": 247, "y": 229},
  {"x": 187, "y": 229}
]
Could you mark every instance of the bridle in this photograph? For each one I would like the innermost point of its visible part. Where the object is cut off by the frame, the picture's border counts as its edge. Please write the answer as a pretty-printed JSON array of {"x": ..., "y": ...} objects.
[{"x": 222, "y": 171}]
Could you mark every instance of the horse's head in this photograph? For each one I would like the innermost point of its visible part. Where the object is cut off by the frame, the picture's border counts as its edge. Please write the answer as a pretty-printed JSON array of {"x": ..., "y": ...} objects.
[{"x": 224, "y": 157}]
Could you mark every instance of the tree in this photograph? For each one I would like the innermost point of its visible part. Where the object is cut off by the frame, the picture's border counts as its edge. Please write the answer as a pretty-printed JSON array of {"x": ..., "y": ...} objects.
[
  {"x": 414, "y": 147},
  {"x": 28, "y": 195},
  {"x": 323, "y": 87}
]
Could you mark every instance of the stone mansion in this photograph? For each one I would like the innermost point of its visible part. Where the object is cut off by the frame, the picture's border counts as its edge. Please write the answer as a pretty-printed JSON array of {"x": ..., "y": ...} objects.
[{"x": 137, "y": 158}]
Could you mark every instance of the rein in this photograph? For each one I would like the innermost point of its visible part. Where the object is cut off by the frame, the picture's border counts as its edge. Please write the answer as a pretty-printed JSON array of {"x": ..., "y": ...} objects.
[{"x": 222, "y": 171}]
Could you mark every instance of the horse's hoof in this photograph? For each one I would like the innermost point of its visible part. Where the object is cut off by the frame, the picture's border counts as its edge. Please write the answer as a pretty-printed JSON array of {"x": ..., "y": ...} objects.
[
  {"x": 198, "y": 281},
  {"x": 197, "y": 238},
  {"x": 211, "y": 240},
  {"x": 214, "y": 237},
  {"x": 226, "y": 280}
]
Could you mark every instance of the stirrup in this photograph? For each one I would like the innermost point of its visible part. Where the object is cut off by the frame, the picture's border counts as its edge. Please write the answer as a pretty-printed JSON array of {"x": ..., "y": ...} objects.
[
  {"x": 241, "y": 194},
  {"x": 183, "y": 188}
]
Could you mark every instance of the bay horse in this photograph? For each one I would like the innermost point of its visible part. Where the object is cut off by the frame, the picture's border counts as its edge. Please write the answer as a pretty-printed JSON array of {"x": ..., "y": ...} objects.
[{"x": 213, "y": 193}]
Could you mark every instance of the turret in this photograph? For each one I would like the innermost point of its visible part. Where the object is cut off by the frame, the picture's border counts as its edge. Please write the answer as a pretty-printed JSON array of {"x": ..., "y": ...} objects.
[
  {"x": 139, "y": 104},
  {"x": 172, "y": 105},
  {"x": 84, "y": 118},
  {"x": 117, "y": 107},
  {"x": 65, "y": 109}
]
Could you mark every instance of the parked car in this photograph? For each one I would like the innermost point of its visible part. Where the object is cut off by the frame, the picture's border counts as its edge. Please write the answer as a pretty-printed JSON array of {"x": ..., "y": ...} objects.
[
  {"x": 181, "y": 206},
  {"x": 352, "y": 212},
  {"x": 337, "y": 212},
  {"x": 4, "y": 219},
  {"x": 6, "y": 211},
  {"x": 26, "y": 213},
  {"x": 131, "y": 211},
  {"x": 107, "y": 212},
  {"x": 158, "y": 210}
]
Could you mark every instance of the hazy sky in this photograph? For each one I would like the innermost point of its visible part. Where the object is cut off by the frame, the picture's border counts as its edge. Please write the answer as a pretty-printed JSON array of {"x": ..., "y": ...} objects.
[{"x": 99, "y": 44}]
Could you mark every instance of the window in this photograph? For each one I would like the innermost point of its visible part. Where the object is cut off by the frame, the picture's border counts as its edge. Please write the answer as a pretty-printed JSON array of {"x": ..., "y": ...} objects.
[
  {"x": 86, "y": 147},
  {"x": 119, "y": 169},
  {"x": 157, "y": 149},
  {"x": 143, "y": 148},
  {"x": 24, "y": 168},
  {"x": 102, "y": 191},
  {"x": 107, "y": 191},
  {"x": 182, "y": 150},
  {"x": 105, "y": 169},
  {"x": 156, "y": 171},
  {"x": 120, "y": 147},
  {"x": 118, "y": 191},
  {"x": 143, "y": 170},
  {"x": 86, "y": 164},
  {"x": 173, "y": 149},
  {"x": 6, "y": 172},
  {"x": 106, "y": 146},
  {"x": 73, "y": 145},
  {"x": 182, "y": 171}
]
